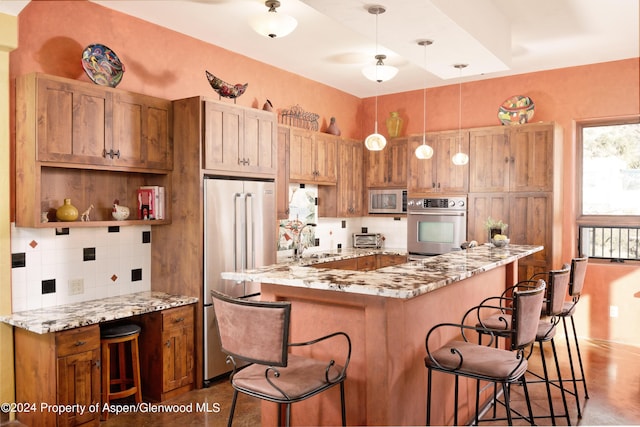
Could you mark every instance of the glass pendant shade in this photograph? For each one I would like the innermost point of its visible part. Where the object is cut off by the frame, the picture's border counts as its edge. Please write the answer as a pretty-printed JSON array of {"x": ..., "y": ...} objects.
[
  {"x": 271, "y": 23},
  {"x": 380, "y": 72},
  {"x": 375, "y": 141},
  {"x": 460, "y": 159},
  {"x": 424, "y": 151}
]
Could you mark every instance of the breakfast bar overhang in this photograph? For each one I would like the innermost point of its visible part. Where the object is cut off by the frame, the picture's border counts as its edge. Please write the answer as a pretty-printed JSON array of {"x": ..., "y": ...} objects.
[{"x": 387, "y": 314}]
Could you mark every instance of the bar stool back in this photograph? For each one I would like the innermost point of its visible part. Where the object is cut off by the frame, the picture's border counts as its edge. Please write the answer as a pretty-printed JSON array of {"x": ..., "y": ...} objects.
[{"x": 125, "y": 385}]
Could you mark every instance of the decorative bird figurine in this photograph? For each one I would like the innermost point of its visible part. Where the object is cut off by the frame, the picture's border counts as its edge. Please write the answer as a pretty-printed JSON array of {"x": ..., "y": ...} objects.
[
  {"x": 225, "y": 89},
  {"x": 118, "y": 212}
]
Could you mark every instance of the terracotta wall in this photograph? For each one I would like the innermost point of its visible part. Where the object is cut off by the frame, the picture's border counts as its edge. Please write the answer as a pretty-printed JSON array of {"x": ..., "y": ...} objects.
[{"x": 163, "y": 63}]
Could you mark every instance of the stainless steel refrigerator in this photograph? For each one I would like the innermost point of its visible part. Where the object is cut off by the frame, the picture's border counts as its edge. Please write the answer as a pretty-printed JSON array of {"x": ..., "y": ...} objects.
[{"x": 239, "y": 234}]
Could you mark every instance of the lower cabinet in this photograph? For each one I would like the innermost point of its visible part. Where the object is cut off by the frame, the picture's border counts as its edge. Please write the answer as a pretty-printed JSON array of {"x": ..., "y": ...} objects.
[
  {"x": 61, "y": 368},
  {"x": 167, "y": 353},
  {"x": 364, "y": 263}
]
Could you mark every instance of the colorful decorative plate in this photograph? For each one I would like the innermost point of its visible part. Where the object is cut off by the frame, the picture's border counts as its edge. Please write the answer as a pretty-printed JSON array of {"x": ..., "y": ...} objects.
[
  {"x": 516, "y": 110},
  {"x": 102, "y": 65}
]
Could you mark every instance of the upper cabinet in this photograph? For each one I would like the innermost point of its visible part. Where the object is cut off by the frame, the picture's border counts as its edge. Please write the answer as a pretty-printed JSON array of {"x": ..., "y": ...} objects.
[
  {"x": 81, "y": 123},
  {"x": 312, "y": 157},
  {"x": 91, "y": 144},
  {"x": 438, "y": 174},
  {"x": 239, "y": 140},
  {"x": 518, "y": 158},
  {"x": 346, "y": 198},
  {"x": 387, "y": 168}
]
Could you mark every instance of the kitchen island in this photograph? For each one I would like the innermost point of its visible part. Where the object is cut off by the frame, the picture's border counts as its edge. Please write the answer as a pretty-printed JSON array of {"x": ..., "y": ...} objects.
[{"x": 387, "y": 314}]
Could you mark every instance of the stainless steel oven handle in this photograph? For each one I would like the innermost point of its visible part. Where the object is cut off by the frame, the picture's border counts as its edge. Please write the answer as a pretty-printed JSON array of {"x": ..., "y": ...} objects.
[{"x": 438, "y": 213}]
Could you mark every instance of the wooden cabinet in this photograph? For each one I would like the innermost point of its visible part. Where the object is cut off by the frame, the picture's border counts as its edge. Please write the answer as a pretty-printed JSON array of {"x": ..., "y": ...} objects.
[
  {"x": 61, "y": 368},
  {"x": 346, "y": 199},
  {"x": 364, "y": 263},
  {"x": 282, "y": 177},
  {"x": 438, "y": 174},
  {"x": 142, "y": 129},
  {"x": 167, "y": 352},
  {"x": 85, "y": 124},
  {"x": 387, "y": 168},
  {"x": 518, "y": 158},
  {"x": 385, "y": 260},
  {"x": 89, "y": 143},
  {"x": 239, "y": 141},
  {"x": 312, "y": 157},
  {"x": 516, "y": 177}
]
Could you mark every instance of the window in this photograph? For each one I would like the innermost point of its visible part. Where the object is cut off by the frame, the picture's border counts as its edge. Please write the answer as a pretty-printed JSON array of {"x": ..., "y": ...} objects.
[{"x": 609, "y": 188}]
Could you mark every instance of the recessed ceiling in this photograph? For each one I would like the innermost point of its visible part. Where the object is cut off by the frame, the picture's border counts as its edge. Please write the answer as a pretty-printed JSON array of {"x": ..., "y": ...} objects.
[{"x": 335, "y": 39}]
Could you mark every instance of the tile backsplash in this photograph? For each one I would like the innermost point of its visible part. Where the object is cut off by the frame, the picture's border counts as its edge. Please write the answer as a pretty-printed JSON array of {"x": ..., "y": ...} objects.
[{"x": 51, "y": 268}]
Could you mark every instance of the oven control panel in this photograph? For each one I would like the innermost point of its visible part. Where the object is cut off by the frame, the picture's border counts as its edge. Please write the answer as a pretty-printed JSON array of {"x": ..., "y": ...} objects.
[{"x": 457, "y": 203}]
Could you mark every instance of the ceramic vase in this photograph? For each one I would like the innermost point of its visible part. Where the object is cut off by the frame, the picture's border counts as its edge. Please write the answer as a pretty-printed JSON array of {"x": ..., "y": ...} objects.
[
  {"x": 67, "y": 212},
  {"x": 394, "y": 124},
  {"x": 333, "y": 127}
]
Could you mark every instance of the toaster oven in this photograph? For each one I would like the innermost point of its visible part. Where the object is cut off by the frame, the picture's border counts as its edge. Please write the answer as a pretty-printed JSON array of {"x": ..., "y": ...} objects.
[{"x": 367, "y": 240}]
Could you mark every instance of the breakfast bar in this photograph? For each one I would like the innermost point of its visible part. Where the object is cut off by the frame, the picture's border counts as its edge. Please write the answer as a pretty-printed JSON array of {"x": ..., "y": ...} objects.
[{"x": 387, "y": 313}]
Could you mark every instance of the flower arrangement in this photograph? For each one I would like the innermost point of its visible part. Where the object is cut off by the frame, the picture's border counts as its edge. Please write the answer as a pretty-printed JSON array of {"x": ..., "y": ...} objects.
[{"x": 495, "y": 228}]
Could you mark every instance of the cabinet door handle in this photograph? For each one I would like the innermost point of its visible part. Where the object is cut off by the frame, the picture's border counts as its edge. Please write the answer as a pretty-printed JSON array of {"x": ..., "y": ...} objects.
[
  {"x": 117, "y": 154},
  {"x": 178, "y": 320},
  {"x": 506, "y": 159},
  {"x": 80, "y": 343},
  {"x": 168, "y": 344},
  {"x": 105, "y": 153}
]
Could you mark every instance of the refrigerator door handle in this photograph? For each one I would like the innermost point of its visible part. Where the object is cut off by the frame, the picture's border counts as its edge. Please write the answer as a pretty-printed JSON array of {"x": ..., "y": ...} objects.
[
  {"x": 250, "y": 232},
  {"x": 236, "y": 228}
]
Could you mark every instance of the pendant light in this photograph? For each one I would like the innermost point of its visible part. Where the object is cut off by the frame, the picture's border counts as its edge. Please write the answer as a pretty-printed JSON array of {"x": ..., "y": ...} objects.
[
  {"x": 379, "y": 72},
  {"x": 460, "y": 158},
  {"x": 271, "y": 23},
  {"x": 375, "y": 141},
  {"x": 424, "y": 151}
]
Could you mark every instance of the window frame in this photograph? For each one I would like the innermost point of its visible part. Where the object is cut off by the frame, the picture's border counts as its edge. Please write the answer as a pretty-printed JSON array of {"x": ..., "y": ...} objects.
[
  {"x": 602, "y": 221},
  {"x": 599, "y": 220}
]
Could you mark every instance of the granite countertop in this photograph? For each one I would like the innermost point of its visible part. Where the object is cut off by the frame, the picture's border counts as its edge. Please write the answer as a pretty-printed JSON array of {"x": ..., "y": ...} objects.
[
  {"x": 69, "y": 316},
  {"x": 405, "y": 281}
]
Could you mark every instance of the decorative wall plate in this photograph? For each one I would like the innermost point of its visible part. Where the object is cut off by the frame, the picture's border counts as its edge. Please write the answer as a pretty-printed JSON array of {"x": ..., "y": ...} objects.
[
  {"x": 516, "y": 110},
  {"x": 102, "y": 65}
]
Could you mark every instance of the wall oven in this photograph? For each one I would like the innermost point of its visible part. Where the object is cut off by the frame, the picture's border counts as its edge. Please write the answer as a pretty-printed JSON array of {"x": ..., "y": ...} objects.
[{"x": 436, "y": 225}]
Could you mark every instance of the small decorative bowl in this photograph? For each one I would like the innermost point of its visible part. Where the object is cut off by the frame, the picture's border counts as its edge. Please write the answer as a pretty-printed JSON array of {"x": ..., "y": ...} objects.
[{"x": 500, "y": 243}]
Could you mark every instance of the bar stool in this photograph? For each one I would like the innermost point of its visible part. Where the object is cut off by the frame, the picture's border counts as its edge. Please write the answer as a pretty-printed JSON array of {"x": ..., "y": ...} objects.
[
  {"x": 576, "y": 283},
  {"x": 119, "y": 335}
]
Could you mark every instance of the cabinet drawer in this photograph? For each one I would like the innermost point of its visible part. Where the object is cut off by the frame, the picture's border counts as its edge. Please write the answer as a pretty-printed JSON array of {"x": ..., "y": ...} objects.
[
  {"x": 177, "y": 317},
  {"x": 77, "y": 340}
]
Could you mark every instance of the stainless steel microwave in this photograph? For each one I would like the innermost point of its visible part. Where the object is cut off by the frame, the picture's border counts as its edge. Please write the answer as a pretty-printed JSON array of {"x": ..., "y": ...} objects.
[{"x": 387, "y": 201}]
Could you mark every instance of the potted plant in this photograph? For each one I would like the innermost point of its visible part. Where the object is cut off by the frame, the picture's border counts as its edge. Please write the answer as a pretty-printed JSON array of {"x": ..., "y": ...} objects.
[{"x": 495, "y": 227}]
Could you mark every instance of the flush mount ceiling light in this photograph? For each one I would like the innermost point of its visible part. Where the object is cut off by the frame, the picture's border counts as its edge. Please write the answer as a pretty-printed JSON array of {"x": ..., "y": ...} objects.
[
  {"x": 424, "y": 151},
  {"x": 460, "y": 158},
  {"x": 271, "y": 23},
  {"x": 379, "y": 72}
]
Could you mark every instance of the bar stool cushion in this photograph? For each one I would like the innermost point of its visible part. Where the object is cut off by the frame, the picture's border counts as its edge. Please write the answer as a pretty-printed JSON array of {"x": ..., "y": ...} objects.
[
  {"x": 488, "y": 362},
  {"x": 119, "y": 331}
]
